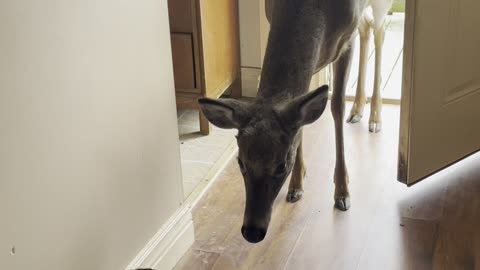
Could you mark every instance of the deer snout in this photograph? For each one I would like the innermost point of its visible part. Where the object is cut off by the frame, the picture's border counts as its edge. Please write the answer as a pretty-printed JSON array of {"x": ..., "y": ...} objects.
[{"x": 253, "y": 234}]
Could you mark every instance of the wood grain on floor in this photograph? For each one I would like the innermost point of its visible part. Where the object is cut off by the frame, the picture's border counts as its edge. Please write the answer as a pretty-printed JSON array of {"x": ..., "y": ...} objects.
[
  {"x": 199, "y": 153},
  {"x": 432, "y": 225}
]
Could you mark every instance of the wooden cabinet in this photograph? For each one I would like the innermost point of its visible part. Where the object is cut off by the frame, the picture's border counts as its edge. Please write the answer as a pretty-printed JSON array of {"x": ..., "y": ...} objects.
[
  {"x": 184, "y": 62},
  {"x": 206, "y": 51}
]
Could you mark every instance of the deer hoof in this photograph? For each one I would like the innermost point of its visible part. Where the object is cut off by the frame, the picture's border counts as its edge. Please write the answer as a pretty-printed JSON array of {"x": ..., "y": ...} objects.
[
  {"x": 354, "y": 118},
  {"x": 294, "y": 195},
  {"x": 342, "y": 203},
  {"x": 375, "y": 127}
]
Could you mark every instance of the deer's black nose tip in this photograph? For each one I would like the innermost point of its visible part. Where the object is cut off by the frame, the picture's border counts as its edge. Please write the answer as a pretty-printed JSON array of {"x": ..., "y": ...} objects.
[{"x": 253, "y": 235}]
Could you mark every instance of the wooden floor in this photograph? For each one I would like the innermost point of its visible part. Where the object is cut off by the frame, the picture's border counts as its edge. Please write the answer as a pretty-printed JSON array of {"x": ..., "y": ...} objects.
[{"x": 433, "y": 225}]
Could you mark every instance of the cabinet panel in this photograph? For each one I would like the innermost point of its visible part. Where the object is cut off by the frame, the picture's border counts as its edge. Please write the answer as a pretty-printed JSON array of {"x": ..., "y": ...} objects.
[
  {"x": 220, "y": 44},
  {"x": 183, "y": 62},
  {"x": 181, "y": 15}
]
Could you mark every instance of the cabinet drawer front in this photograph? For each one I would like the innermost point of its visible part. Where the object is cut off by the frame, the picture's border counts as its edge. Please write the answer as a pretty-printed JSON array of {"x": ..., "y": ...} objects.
[
  {"x": 183, "y": 62},
  {"x": 181, "y": 15}
]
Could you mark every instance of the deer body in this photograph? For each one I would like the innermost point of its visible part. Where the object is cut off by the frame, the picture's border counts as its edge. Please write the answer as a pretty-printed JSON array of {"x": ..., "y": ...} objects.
[{"x": 305, "y": 36}]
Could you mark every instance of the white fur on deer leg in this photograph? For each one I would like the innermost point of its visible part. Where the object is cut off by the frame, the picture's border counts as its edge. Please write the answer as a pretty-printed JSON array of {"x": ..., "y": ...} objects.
[
  {"x": 380, "y": 10},
  {"x": 375, "y": 122},
  {"x": 356, "y": 113}
]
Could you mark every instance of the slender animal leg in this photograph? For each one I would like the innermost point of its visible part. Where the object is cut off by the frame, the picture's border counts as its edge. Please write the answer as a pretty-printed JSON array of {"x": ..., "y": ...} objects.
[
  {"x": 375, "y": 122},
  {"x": 380, "y": 10},
  {"x": 341, "y": 69},
  {"x": 295, "y": 189},
  {"x": 356, "y": 113}
]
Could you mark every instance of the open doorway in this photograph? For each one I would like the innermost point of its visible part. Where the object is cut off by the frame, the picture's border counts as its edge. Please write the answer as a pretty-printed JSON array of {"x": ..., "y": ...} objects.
[{"x": 392, "y": 62}]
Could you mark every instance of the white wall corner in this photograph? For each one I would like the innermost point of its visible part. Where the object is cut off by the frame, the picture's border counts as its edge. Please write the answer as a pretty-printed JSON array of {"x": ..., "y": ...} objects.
[
  {"x": 169, "y": 244},
  {"x": 250, "y": 80},
  {"x": 249, "y": 33}
]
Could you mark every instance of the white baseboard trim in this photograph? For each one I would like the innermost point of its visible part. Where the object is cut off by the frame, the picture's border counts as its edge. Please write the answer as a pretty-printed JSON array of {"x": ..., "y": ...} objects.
[
  {"x": 390, "y": 101},
  {"x": 169, "y": 244}
]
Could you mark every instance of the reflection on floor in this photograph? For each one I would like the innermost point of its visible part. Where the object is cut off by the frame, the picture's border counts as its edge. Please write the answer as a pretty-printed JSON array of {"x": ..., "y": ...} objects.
[
  {"x": 432, "y": 225},
  {"x": 199, "y": 153},
  {"x": 391, "y": 63}
]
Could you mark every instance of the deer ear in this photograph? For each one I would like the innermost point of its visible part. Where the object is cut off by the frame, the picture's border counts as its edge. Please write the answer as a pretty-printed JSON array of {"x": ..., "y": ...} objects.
[
  {"x": 306, "y": 109},
  {"x": 224, "y": 113}
]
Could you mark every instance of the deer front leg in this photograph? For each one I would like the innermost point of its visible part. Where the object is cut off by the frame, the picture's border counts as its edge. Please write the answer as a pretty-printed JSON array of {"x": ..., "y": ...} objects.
[
  {"x": 295, "y": 189},
  {"x": 356, "y": 113},
  {"x": 341, "y": 69},
  {"x": 375, "y": 122}
]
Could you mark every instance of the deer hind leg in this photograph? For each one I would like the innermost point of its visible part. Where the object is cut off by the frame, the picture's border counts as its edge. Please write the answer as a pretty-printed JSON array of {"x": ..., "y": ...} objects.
[
  {"x": 380, "y": 11},
  {"x": 356, "y": 113},
  {"x": 341, "y": 69},
  {"x": 295, "y": 188},
  {"x": 375, "y": 121}
]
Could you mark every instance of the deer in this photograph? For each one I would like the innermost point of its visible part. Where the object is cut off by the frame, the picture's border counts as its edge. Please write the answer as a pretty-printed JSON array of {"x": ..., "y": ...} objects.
[
  {"x": 371, "y": 19},
  {"x": 305, "y": 36}
]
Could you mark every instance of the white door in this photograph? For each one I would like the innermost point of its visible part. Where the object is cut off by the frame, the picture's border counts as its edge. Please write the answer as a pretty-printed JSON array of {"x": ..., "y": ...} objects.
[{"x": 440, "y": 113}]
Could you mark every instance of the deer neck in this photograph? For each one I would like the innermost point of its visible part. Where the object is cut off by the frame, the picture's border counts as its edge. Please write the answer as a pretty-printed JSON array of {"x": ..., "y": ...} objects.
[{"x": 292, "y": 54}]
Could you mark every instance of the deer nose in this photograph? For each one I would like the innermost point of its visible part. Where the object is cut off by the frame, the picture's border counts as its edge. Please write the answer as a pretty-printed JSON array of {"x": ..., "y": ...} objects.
[{"x": 252, "y": 234}]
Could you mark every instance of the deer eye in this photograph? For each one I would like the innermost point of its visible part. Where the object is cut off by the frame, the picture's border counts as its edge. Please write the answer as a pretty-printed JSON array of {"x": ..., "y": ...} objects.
[{"x": 281, "y": 169}]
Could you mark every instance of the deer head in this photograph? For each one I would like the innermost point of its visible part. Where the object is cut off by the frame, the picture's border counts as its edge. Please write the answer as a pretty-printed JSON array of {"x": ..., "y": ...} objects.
[{"x": 268, "y": 138}]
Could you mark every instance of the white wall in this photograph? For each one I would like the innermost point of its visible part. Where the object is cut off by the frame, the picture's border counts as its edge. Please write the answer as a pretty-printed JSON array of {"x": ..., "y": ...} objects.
[
  {"x": 250, "y": 45},
  {"x": 89, "y": 156},
  {"x": 250, "y": 33}
]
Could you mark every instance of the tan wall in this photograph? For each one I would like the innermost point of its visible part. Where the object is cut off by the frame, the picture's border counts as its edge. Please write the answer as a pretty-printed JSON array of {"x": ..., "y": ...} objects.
[
  {"x": 250, "y": 36},
  {"x": 89, "y": 156}
]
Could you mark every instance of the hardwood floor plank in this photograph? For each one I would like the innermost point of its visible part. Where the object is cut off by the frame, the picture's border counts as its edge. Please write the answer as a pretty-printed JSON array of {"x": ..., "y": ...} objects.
[
  {"x": 219, "y": 211},
  {"x": 397, "y": 243},
  {"x": 197, "y": 260},
  {"x": 333, "y": 240},
  {"x": 424, "y": 201},
  {"x": 457, "y": 246}
]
